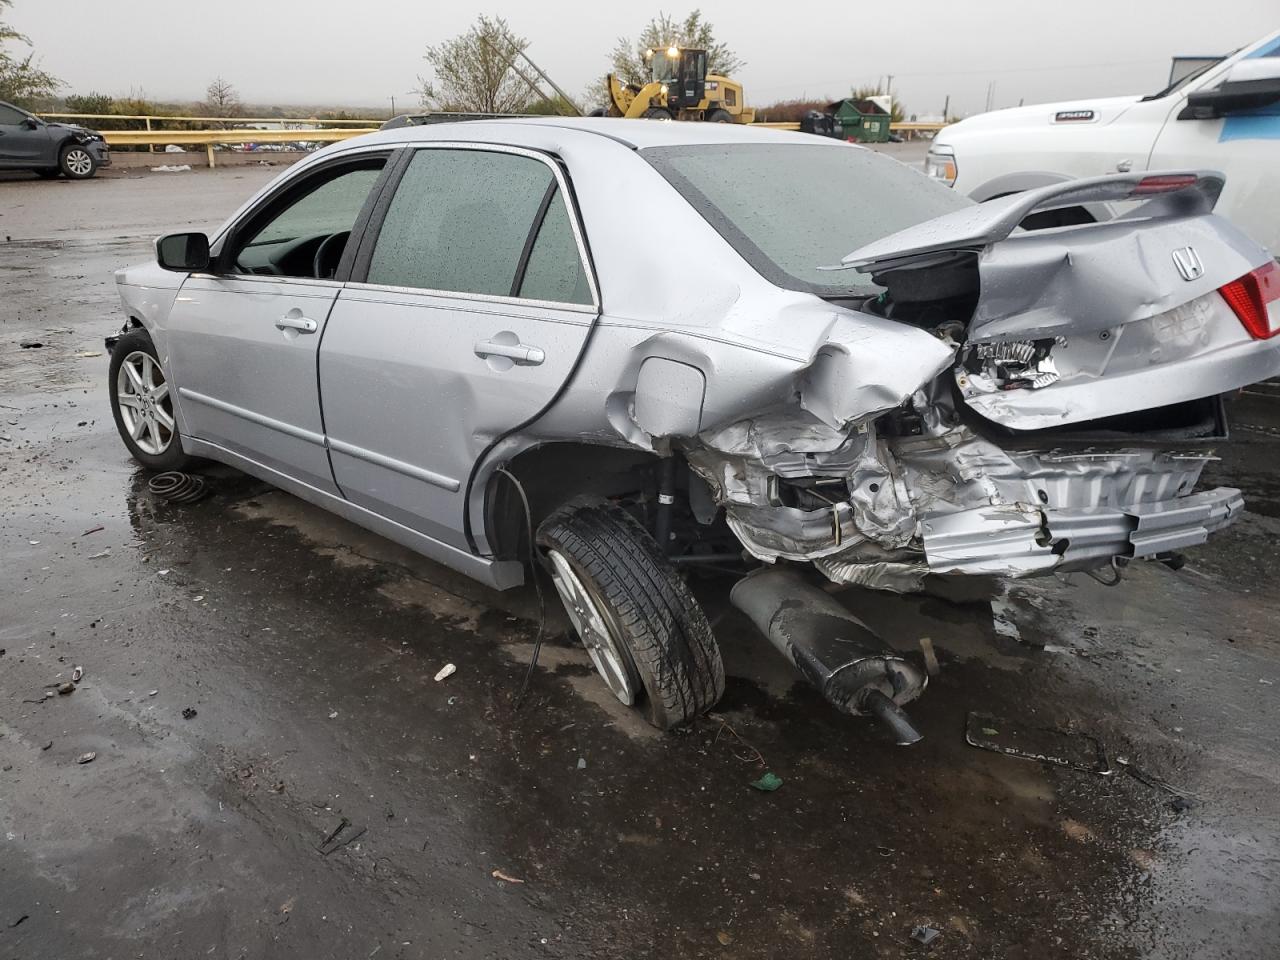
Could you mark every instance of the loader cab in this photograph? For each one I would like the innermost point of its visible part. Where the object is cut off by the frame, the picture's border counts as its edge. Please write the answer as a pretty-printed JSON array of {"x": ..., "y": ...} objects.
[{"x": 684, "y": 71}]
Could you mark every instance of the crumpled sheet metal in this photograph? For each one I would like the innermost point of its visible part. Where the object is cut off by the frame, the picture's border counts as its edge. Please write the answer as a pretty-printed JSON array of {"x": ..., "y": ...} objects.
[
  {"x": 868, "y": 366},
  {"x": 1019, "y": 540},
  {"x": 1080, "y": 281}
]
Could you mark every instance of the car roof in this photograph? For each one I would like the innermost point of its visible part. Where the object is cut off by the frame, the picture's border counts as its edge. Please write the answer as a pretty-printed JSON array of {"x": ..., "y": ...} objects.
[{"x": 636, "y": 134}]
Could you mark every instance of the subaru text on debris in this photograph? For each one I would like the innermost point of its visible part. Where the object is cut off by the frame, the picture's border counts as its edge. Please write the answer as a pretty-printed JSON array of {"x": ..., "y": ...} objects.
[{"x": 769, "y": 350}]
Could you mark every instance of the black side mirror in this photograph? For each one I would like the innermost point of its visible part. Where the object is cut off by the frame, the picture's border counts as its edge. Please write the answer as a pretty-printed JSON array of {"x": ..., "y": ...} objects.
[
  {"x": 183, "y": 252},
  {"x": 1249, "y": 85},
  {"x": 31, "y": 123}
]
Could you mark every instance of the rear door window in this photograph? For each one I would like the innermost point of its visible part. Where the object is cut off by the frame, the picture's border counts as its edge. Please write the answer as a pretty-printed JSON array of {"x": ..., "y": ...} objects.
[{"x": 479, "y": 222}]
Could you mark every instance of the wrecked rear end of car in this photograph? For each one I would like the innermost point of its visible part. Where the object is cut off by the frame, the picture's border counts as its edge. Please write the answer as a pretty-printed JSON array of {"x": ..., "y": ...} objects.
[{"x": 1013, "y": 403}]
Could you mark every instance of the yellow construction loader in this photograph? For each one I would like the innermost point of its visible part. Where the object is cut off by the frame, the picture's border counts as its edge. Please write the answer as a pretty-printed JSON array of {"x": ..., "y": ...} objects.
[{"x": 679, "y": 89}]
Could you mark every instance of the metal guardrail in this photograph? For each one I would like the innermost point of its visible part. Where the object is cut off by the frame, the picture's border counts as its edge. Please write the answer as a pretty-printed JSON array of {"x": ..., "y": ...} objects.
[
  {"x": 149, "y": 117},
  {"x": 208, "y": 138},
  {"x": 906, "y": 126},
  {"x": 243, "y": 130},
  {"x": 238, "y": 130}
]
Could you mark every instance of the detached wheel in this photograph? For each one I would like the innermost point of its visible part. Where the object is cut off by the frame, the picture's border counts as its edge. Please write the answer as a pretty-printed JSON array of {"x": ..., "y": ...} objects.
[
  {"x": 642, "y": 627},
  {"x": 142, "y": 405},
  {"x": 76, "y": 162}
]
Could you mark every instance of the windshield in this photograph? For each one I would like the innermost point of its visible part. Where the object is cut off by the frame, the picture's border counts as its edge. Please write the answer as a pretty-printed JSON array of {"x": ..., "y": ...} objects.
[
  {"x": 1183, "y": 81},
  {"x": 792, "y": 208}
]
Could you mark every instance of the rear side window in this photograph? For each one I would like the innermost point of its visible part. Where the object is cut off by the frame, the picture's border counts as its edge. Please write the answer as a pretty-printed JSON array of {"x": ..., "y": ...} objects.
[
  {"x": 10, "y": 117},
  {"x": 554, "y": 269},
  {"x": 475, "y": 221},
  {"x": 791, "y": 209}
]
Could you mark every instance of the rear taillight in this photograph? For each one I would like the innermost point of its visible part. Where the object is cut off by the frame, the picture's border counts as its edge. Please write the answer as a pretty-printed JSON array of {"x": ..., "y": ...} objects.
[{"x": 1249, "y": 295}]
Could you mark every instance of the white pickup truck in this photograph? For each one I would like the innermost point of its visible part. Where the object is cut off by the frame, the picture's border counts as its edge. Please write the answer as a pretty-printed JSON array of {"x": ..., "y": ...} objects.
[{"x": 1225, "y": 117}]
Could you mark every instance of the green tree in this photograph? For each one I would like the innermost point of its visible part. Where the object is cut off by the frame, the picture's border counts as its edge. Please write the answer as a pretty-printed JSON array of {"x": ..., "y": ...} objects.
[
  {"x": 91, "y": 103},
  {"x": 472, "y": 72},
  {"x": 21, "y": 79},
  {"x": 631, "y": 66}
]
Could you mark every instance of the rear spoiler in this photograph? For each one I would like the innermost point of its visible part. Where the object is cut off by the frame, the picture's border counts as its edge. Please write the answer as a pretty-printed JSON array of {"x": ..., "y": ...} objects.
[{"x": 1172, "y": 193}]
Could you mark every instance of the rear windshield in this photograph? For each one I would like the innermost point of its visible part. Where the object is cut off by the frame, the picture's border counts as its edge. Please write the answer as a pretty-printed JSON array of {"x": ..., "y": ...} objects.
[{"x": 790, "y": 208}]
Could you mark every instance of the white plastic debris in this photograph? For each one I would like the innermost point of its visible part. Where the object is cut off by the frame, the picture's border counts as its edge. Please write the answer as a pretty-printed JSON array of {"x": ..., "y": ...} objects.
[
  {"x": 172, "y": 168},
  {"x": 448, "y": 670}
]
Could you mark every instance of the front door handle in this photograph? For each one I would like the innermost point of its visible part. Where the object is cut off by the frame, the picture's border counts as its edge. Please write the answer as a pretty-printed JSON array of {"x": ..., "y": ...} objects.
[
  {"x": 294, "y": 320},
  {"x": 517, "y": 352}
]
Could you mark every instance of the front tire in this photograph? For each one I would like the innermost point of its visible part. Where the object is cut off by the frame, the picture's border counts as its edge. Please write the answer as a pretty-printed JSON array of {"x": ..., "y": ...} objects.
[
  {"x": 142, "y": 404},
  {"x": 645, "y": 632},
  {"x": 76, "y": 162}
]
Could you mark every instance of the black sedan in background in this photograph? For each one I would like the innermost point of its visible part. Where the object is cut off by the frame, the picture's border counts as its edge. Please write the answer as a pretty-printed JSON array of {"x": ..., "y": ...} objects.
[{"x": 50, "y": 149}]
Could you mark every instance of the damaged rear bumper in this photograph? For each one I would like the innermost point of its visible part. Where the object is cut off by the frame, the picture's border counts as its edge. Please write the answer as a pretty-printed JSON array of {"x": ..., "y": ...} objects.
[{"x": 1021, "y": 540}]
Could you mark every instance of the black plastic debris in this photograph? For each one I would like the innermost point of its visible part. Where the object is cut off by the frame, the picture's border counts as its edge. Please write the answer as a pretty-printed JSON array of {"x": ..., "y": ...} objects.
[
  {"x": 178, "y": 487},
  {"x": 1065, "y": 749},
  {"x": 30, "y": 344},
  {"x": 925, "y": 935},
  {"x": 336, "y": 840},
  {"x": 188, "y": 713}
]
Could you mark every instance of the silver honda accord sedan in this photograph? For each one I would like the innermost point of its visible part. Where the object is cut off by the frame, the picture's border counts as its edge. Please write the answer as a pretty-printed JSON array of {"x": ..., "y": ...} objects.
[{"x": 622, "y": 350}]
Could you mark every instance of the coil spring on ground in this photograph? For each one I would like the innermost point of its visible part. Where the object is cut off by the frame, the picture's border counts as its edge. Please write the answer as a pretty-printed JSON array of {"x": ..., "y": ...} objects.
[{"x": 178, "y": 487}]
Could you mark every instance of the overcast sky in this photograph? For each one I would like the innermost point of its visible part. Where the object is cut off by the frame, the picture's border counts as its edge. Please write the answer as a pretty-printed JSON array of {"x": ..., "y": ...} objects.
[{"x": 362, "y": 52}]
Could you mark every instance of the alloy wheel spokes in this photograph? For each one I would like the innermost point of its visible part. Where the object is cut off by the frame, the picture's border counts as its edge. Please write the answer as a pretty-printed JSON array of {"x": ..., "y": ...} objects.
[{"x": 143, "y": 401}]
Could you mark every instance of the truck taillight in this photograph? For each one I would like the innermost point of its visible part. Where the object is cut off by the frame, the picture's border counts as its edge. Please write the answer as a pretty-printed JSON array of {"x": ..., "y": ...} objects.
[{"x": 1249, "y": 295}]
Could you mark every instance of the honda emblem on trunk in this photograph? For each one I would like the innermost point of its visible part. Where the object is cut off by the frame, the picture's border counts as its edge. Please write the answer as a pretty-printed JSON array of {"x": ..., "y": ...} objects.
[{"x": 1188, "y": 263}]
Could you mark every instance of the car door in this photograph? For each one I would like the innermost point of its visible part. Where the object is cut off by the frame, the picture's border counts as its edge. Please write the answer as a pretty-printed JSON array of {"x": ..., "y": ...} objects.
[
  {"x": 243, "y": 338},
  {"x": 20, "y": 144},
  {"x": 466, "y": 313}
]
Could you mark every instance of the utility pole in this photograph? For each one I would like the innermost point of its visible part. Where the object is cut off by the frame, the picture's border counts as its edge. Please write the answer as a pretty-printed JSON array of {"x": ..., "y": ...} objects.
[
  {"x": 393, "y": 105},
  {"x": 889, "y": 89},
  {"x": 514, "y": 48},
  {"x": 946, "y": 107}
]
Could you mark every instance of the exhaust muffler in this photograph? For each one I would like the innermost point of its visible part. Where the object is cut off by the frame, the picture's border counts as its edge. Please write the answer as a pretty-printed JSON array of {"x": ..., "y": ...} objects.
[{"x": 835, "y": 651}]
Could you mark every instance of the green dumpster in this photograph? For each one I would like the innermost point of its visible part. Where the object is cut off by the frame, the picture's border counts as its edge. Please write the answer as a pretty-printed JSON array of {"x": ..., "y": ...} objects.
[{"x": 863, "y": 120}]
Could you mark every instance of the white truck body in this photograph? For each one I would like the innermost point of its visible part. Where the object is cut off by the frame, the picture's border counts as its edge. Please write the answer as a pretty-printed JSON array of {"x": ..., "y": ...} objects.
[{"x": 1008, "y": 151}]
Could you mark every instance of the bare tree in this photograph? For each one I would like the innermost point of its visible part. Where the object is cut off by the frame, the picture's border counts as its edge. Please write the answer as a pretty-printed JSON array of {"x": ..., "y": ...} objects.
[
  {"x": 631, "y": 66},
  {"x": 473, "y": 71},
  {"x": 21, "y": 79},
  {"x": 221, "y": 99}
]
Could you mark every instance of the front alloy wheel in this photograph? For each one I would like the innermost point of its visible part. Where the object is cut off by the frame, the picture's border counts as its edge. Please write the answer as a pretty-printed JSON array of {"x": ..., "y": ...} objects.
[
  {"x": 142, "y": 404},
  {"x": 78, "y": 163},
  {"x": 145, "y": 407}
]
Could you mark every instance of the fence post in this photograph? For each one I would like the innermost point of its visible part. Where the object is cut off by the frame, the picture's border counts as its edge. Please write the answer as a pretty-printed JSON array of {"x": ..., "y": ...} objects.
[
  {"x": 151, "y": 147},
  {"x": 210, "y": 147}
]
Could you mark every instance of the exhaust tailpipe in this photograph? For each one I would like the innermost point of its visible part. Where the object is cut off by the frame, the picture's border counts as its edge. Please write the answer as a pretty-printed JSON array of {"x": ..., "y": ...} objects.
[{"x": 834, "y": 650}]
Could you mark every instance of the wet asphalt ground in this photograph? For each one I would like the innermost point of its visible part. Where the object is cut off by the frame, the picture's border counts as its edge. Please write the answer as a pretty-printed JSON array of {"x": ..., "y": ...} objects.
[{"x": 258, "y": 674}]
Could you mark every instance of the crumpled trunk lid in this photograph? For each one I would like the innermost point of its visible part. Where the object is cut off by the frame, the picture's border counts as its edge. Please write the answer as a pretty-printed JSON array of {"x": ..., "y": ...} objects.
[{"x": 1091, "y": 321}]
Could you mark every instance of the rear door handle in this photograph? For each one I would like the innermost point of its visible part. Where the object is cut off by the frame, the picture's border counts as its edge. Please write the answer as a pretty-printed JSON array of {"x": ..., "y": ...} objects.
[
  {"x": 294, "y": 320},
  {"x": 518, "y": 353}
]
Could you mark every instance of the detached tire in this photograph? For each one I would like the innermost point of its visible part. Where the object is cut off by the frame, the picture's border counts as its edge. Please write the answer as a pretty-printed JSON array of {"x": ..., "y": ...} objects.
[
  {"x": 142, "y": 404},
  {"x": 645, "y": 632}
]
